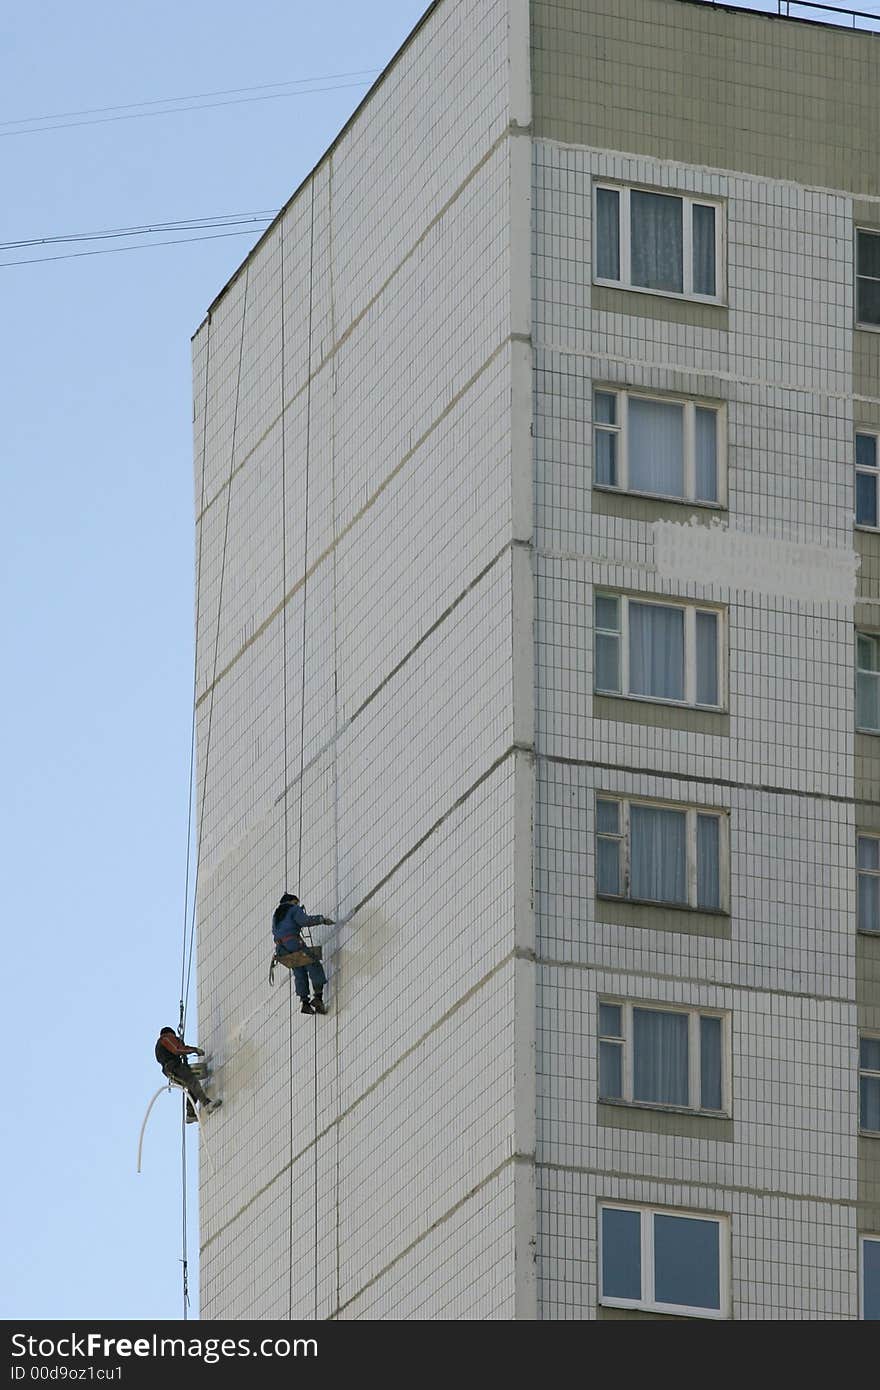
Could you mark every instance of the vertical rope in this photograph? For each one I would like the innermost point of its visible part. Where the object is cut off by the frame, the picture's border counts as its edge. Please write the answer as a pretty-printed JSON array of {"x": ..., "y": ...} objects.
[
  {"x": 189, "y": 802},
  {"x": 302, "y": 726},
  {"x": 216, "y": 642},
  {"x": 183, "y": 1185},
  {"x": 284, "y": 806}
]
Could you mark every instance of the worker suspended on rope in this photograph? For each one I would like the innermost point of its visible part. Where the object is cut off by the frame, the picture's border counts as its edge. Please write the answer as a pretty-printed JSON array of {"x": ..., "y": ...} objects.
[
  {"x": 171, "y": 1054},
  {"x": 289, "y": 921}
]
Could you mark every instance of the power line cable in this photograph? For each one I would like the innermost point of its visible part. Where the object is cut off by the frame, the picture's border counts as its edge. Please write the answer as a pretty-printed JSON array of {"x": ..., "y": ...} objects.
[
  {"x": 175, "y": 110},
  {"x": 198, "y": 224},
  {"x": 114, "y": 250},
  {"x": 191, "y": 96}
]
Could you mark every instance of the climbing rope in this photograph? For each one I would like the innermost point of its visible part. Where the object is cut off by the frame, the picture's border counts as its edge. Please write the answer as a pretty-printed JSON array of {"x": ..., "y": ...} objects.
[
  {"x": 301, "y": 740},
  {"x": 189, "y": 902}
]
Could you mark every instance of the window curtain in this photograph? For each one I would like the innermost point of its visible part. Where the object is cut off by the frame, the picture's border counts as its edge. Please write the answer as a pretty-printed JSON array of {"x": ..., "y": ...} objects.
[
  {"x": 704, "y": 249},
  {"x": 706, "y": 443},
  {"x": 608, "y": 234},
  {"x": 867, "y": 682},
  {"x": 710, "y": 1063},
  {"x": 656, "y": 447},
  {"x": 660, "y": 1057},
  {"x": 869, "y": 884},
  {"x": 658, "y": 854},
  {"x": 656, "y": 241},
  {"x": 707, "y": 659},
  {"x": 708, "y": 862},
  {"x": 656, "y": 651},
  {"x": 869, "y": 1109}
]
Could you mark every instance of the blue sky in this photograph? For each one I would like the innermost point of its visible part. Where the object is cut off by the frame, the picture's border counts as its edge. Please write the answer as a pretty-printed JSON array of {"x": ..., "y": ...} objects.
[{"x": 96, "y": 569}]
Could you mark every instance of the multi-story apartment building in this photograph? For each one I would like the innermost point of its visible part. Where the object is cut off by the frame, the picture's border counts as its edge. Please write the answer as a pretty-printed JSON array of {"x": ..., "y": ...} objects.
[{"x": 537, "y": 469}]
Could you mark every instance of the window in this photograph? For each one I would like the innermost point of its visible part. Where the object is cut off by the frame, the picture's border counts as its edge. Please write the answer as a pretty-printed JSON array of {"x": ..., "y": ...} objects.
[
  {"x": 870, "y": 1278},
  {"x": 868, "y": 881},
  {"x": 662, "y": 1056},
  {"x": 660, "y": 854},
  {"x": 868, "y": 683},
  {"x": 869, "y": 1084},
  {"x": 663, "y": 1261},
  {"x": 663, "y": 242},
  {"x": 660, "y": 447},
  {"x": 868, "y": 278},
  {"x": 867, "y": 464},
  {"x": 657, "y": 651}
]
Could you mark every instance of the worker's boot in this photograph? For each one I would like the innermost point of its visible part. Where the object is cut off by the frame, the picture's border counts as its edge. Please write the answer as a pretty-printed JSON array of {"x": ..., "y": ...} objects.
[
  {"x": 318, "y": 1004},
  {"x": 305, "y": 1007},
  {"x": 212, "y": 1105}
]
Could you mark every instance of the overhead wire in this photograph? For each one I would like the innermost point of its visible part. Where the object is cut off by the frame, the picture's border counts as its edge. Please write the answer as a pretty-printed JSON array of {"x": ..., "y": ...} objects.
[
  {"x": 197, "y": 224},
  {"x": 176, "y": 110},
  {"x": 190, "y": 96},
  {"x": 115, "y": 250}
]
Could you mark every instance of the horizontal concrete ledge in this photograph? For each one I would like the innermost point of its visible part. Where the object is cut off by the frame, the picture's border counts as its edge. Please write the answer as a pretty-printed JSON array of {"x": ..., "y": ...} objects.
[{"x": 619, "y": 1115}]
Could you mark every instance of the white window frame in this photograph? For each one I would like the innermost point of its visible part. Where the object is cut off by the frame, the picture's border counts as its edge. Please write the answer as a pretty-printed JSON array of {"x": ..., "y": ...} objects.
[
  {"x": 870, "y": 472},
  {"x": 627, "y": 1046},
  {"x": 688, "y": 200},
  {"x": 691, "y": 813},
  {"x": 690, "y": 611},
  {"x": 875, "y": 675},
  {"x": 648, "y": 1301},
  {"x": 862, "y": 324},
  {"x": 864, "y": 873},
  {"x": 870, "y": 1072},
  {"x": 622, "y": 397},
  {"x": 863, "y": 1241}
]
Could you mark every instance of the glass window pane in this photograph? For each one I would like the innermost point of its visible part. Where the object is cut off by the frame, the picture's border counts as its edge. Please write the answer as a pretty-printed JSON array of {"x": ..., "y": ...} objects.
[
  {"x": 607, "y": 234},
  {"x": 710, "y": 1063},
  {"x": 656, "y": 651},
  {"x": 706, "y": 444},
  {"x": 605, "y": 450},
  {"x": 866, "y": 499},
  {"x": 868, "y": 852},
  {"x": 868, "y": 301},
  {"x": 869, "y": 903},
  {"x": 871, "y": 1280},
  {"x": 610, "y": 1020},
  {"x": 704, "y": 249},
  {"x": 867, "y": 652},
  {"x": 660, "y": 1057},
  {"x": 608, "y": 867},
  {"x": 708, "y": 861},
  {"x": 610, "y": 1071},
  {"x": 869, "y": 1054},
  {"x": 866, "y": 450},
  {"x": 604, "y": 407},
  {"x": 607, "y": 610},
  {"x": 656, "y": 245},
  {"x": 687, "y": 1265},
  {"x": 607, "y": 677},
  {"x": 658, "y": 854},
  {"x": 868, "y": 701},
  {"x": 621, "y": 1253},
  {"x": 608, "y": 817},
  {"x": 656, "y": 447},
  {"x": 707, "y": 659},
  {"x": 868, "y": 254},
  {"x": 869, "y": 1103}
]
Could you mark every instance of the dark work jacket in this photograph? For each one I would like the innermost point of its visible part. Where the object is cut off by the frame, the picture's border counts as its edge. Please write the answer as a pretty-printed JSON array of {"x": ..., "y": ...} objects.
[{"x": 288, "y": 923}]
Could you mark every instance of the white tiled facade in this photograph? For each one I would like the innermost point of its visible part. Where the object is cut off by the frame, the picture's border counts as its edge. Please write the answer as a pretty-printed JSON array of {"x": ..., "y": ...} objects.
[{"x": 398, "y": 530}]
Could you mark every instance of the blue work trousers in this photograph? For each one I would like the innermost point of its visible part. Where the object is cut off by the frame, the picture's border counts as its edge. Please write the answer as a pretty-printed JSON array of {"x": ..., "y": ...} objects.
[{"x": 303, "y": 973}]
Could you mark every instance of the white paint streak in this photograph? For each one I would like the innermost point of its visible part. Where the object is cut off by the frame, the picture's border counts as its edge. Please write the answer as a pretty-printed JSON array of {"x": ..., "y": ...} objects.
[{"x": 736, "y": 560}]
